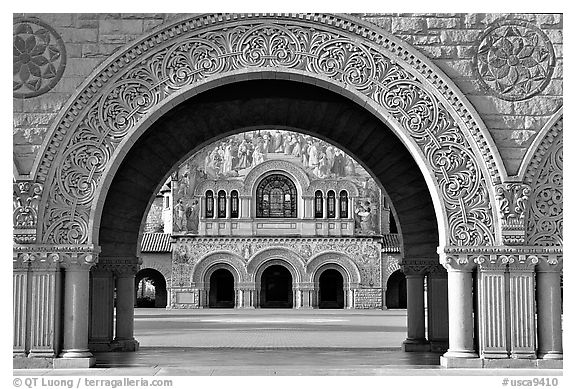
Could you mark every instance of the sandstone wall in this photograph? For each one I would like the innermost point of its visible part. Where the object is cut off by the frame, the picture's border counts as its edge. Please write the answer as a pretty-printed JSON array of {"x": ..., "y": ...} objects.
[{"x": 450, "y": 40}]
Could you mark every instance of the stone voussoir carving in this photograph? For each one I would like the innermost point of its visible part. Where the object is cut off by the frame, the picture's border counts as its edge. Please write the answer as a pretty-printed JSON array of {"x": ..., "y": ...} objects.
[
  {"x": 39, "y": 57},
  {"x": 186, "y": 53},
  {"x": 514, "y": 59}
]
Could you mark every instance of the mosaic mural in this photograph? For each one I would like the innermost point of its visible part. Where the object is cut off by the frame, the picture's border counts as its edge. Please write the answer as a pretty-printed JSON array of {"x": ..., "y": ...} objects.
[{"x": 233, "y": 157}]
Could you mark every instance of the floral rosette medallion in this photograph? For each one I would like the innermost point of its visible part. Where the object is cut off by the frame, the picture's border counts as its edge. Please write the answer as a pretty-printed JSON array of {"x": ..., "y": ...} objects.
[{"x": 39, "y": 57}]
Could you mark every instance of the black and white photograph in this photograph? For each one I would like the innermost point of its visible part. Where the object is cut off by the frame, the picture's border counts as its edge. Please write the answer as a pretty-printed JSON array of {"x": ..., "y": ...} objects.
[{"x": 287, "y": 194}]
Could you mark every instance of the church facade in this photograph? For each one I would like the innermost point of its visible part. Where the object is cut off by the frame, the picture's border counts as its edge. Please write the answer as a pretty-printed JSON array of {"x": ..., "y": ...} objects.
[
  {"x": 456, "y": 117},
  {"x": 280, "y": 199}
]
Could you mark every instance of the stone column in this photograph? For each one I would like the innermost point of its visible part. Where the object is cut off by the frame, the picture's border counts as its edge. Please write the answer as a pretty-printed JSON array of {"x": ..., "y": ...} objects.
[
  {"x": 324, "y": 207},
  {"x": 20, "y": 271},
  {"x": 492, "y": 300},
  {"x": 349, "y": 298},
  {"x": 75, "y": 353},
  {"x": 522, "y": 301},
  {"x": 461, "y": 351},
  {"x": 101, "y": 329},
  {"x": 247, "y": 294},
  {"x": 438, "y": 308},
  {"x": 228, "y": 206},
  {"x": 416, "y": 340},
  {"x": 124, "y": 339},
  {"x": 306, "y": 295},
  {"x": 549, "y": 307}
]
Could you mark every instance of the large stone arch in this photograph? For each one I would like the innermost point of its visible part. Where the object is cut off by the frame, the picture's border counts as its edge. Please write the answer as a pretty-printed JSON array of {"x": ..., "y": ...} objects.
[
  {"x": 276, "y": 255},
  {"x": 208, "y": 263},
  {"x": 320, "y": 262},
  {"x": 295, "y": 173},
  {"x": 96, "y": 130}
]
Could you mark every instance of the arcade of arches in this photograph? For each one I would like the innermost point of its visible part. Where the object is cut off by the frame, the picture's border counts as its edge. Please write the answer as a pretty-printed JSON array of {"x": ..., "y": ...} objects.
[{"x": 303, "y": 161}]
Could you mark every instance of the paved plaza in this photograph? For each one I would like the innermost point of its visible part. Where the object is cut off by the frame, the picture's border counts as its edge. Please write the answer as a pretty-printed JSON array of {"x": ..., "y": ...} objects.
[{"x": 268, "y": 342}]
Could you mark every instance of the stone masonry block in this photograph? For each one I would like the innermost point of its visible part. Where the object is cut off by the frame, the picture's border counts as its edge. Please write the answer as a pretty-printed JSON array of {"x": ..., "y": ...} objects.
[
  {"x": 49, "y": 102},
  {"x": 382, "y": 22},
  {"x": 79, "y": 35},
  {"x": 466, "y": 51},
  {"x": 100, "y": 50},
  {"x": 456, "y": 68},
  {"x": 459, "y": 36},
  {"x": 31, "y": 135},
  {"x": 549, "y": 20},
  {"x": 33, "y": 119},
  {"x": 131, "y": 26},
  {"x": 82, "y": 66},
  {"x": 443, "y": 23},
  {"x": 538, "y": 105},
  {"x": 408, "y": 25},
  {"x": 491, "y": 105},
  {"x": 150, "y": 24}
]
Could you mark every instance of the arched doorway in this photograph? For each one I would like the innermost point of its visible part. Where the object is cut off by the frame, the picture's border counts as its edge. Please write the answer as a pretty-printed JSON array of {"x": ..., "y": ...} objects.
[
  {"x": 331, "y": 293},
  {"x": 276, "y": 288},
  {"x": 150, "y": 289},
  {"x": 396, "y": 291},
  {"x": 221, "y": 294},
  {"x": 327, "y": 101}
]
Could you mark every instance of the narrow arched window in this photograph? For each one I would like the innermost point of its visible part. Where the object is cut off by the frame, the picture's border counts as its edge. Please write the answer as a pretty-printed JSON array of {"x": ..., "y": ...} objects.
[
  {"x": 209, "y": 205},
  {"x": 344, "y": 204},
  {"x": 318, "y": 205},
  {"x": 331, "y": 204},
  {"x": 234, "y": 204},
  {"x": 221, "y": 204},
  {"x": 276, "y": 197}
]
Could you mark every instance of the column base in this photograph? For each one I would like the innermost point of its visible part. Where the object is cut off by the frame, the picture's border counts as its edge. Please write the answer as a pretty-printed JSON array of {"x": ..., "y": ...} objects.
[
  {"x": 462, "y": 354},
  {"x": 551, "y": 355},
  {"x": 459, "y": 362},
  {"x": 415, "y": 345},
  {"x": 75, "y": 353},
  {"x": 74, "y": 363},
  {"x": 125, "y": 345},
  {"x": 439, "y": 346},
  {"x": 245, "y": 307},
  {"x": 100, "y": 346}
]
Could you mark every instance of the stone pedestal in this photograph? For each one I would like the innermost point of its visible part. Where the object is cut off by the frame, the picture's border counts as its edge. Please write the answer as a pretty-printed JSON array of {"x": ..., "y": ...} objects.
[{"x": 549, "y": 306}]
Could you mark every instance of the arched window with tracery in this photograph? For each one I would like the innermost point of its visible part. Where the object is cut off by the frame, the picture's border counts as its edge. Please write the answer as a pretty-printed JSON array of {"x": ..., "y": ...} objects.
[
  {"x": 209, "y": 213},
  {"x": 234, "y": 204},
  {"x": 344, "y": 204},
  {"x": 221, "y": 204},
  {"x": 276, "y": 197},
  {"x": 331, "y": 204},
  {"x": 318, "y": 205}
]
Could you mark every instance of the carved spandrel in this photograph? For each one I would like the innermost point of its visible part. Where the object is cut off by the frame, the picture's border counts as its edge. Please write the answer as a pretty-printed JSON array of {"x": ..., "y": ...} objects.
[{"x": 196, "y": 55}]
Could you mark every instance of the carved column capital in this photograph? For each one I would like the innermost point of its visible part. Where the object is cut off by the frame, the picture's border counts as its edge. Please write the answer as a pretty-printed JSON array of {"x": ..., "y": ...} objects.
[
  {"x": 457, "y": 262},
  {"x": 55, "y": 256},
  {"x": 417, "y": 266},
  {"x": 125, "y": 266},
  {"x": 512, "y": 199},
  {"x": 550, "y": 263},
  {"x": 26, "y": 197}
]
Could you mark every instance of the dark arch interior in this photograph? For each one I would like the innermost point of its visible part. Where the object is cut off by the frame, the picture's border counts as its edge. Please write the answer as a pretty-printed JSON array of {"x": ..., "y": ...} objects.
[
  {"x": 276, "y": 287},
  {"x": 160, "y": 298},
  {"x": 396, "y": 291},
  {"x": 232, "y": 107},
  {"x": 221, "y": 293},
  {"x": 331, "y": 289}
]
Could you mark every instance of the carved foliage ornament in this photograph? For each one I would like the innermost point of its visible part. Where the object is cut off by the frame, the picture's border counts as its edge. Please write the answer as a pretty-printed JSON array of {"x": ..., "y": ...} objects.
[
  {"x": 515, "y": 59},
  {"x": 545, "y": 220},
  {"x": 199, "y": 54},
  {"x": 39, "y": 57},
  {"x": 512, "y": 199},
  {"x": 26, "y": 199}
]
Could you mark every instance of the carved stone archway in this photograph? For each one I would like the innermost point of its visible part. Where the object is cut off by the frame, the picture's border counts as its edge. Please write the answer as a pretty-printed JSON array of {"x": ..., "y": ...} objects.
[{"x": 90, "y": 138}]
